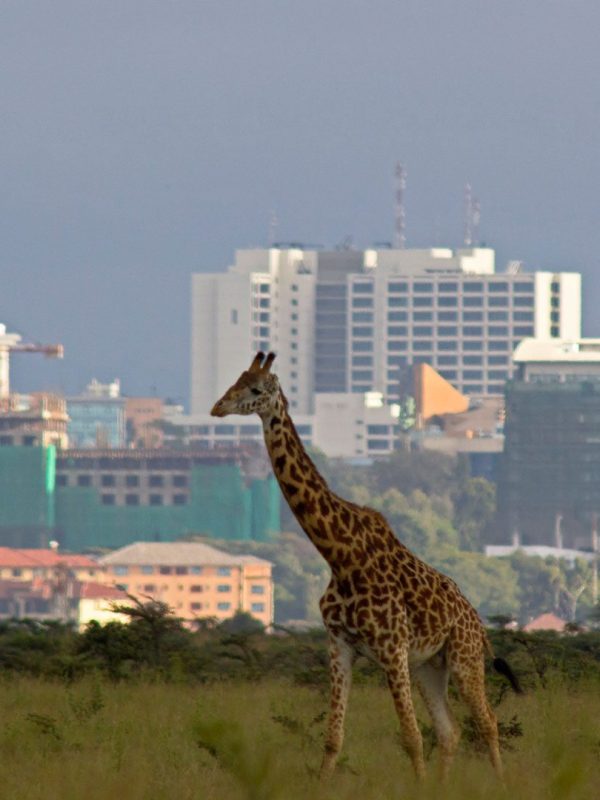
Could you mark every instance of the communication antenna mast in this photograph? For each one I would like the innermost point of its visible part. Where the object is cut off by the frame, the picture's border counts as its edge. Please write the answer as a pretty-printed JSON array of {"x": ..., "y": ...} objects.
[
  {"x": 472, "y": 217},
  {"x": 476, "y": 219},
  {"x": 399, "y": 234},
  {"x": 468, "y": 237},
  {"x": 273, "y": 223}
]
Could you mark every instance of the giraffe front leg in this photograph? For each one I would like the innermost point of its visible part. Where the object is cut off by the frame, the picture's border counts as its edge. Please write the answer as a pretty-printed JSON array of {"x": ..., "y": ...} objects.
[
  {"x": 398, "y": 678},
  {"x": 341, "y": 658}
]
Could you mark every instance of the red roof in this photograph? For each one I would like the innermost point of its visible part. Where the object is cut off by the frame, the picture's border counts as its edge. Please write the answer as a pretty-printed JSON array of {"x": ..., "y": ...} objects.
[
  {"x": 545, "y": 622},
  {"x": 46, "y": 589},
  {"x": 28, "y": 557},
  {"x": 93, "y": 591}
]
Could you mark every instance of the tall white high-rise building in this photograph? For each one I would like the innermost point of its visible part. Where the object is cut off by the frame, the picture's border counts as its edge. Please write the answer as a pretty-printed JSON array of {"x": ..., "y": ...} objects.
[{"x": 351, "y": 320}]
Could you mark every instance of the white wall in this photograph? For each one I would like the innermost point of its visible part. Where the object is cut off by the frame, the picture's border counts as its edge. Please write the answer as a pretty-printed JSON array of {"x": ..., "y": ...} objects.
[{"x": 221, "y": 345}]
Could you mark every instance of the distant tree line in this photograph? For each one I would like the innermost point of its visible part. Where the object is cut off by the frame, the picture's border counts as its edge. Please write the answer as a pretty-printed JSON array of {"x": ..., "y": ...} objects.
[{"x": 155, "y": 645}]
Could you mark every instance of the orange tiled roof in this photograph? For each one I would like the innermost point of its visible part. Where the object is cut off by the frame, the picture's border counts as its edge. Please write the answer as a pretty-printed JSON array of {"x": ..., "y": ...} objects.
[
  {"x": 92, "y": 591},
  {"x": 29, "y": 557}
]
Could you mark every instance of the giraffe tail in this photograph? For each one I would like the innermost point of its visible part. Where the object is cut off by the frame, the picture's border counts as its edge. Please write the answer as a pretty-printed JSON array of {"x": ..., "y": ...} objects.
[{"x": 502, "y": 667}]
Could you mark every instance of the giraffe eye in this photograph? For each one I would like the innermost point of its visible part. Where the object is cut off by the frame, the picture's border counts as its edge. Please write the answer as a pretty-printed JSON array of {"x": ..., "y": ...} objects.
[{"x": 256, "y": 391}]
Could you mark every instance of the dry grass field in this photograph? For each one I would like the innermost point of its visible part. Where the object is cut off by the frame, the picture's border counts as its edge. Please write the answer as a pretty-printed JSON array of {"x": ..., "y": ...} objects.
[{"x": 95, "y": 740}]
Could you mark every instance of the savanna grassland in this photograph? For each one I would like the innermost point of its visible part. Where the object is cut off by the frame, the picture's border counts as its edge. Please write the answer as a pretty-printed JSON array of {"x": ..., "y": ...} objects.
[
  {"x": 233, "y": 739},
  {"x": 151, "y": 711}
]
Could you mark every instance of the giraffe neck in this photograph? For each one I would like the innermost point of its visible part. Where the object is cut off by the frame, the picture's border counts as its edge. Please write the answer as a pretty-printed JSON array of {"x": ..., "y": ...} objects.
[{"x": 321, "y": 514}]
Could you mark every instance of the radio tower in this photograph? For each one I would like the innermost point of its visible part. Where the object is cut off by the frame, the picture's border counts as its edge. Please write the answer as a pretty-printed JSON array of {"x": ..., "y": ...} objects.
[
  {"x": 475, "y": 219},
  {"x": 399, "y": 235},
  {"x": 468, "y": 237},
  {"x": 272, "y": 234},
  {"x": 472, "y": 218}
]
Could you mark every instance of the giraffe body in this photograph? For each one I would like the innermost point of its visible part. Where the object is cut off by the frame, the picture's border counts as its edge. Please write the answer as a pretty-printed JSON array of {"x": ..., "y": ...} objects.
[{"x": 382, "y": 600}]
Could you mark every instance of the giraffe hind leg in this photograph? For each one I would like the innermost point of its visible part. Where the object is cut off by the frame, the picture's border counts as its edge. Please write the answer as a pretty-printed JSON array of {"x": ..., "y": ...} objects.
[
  {"x": 469, "y": 678},
  {"x": 431, "y": 679}
]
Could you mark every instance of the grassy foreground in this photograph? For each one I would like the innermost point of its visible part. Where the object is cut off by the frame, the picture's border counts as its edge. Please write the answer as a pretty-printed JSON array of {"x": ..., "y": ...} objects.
[{"x": 95, "y": 740}]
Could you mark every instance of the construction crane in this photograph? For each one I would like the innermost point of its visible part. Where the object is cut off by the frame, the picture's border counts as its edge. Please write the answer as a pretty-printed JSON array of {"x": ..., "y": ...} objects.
[{"x": 11, "y": 343}]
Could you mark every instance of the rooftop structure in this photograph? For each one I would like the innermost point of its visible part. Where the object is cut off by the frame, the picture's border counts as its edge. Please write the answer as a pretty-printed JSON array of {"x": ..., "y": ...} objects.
[
  {"x": 97, "y": 416},
  {"x": 35, "y": 419}
]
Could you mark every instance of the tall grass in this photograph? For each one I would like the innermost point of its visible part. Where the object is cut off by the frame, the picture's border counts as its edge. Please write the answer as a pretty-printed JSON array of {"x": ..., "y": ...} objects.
[{"x": 96, "y": 740}]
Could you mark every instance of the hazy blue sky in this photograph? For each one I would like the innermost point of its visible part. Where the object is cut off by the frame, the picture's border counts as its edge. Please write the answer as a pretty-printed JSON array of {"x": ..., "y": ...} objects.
[{"x": 143, "y": 140}]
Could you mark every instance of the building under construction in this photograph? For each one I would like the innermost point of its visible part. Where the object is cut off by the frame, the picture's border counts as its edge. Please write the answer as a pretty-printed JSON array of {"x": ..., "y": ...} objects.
[{"x": 88, "y": 499}]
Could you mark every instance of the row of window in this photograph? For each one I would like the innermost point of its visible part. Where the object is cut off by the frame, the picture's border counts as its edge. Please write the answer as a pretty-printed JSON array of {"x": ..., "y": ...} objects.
[
  {"x": 256, "y": 608},
  {"x": 149, "y": 569},
  {"x": 403, "y": 361},
  {"x": 8, "y": 441},
  {"x": 110, "y": 479},
  {"x": 429, "y": 345},
  {"x": 449, "y": 301},
  {"x": 441, "y": 316},
  {"x": 365, "y": 331},
  {"x": 491, "y": 375},
  {"x": 222, "y": 588},
  {"x": 108, "y": 499},
  {"x": 427, "y": 287}
]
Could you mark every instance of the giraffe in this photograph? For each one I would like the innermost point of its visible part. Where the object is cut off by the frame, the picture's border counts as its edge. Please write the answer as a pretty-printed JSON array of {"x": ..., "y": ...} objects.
[{"x": 382, "y": 601}]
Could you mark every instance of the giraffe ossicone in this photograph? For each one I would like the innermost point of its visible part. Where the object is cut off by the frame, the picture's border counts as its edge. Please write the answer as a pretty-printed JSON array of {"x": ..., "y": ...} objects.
[{"x": 382, "y": 600}]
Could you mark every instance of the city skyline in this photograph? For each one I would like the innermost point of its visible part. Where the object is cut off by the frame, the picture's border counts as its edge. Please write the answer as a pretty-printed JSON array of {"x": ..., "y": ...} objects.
[{"x": 145, "y": 142}]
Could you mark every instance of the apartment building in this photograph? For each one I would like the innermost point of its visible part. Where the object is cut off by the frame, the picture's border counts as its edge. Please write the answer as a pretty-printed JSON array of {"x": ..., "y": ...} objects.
[
  {"x": 350, "y": 321},
  {"x": 194, "y": 579}
]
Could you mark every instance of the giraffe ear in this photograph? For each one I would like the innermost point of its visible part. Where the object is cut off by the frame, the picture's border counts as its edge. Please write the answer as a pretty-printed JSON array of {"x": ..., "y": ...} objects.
[
  {"x": 255, "y": 366},
  {"x": 267, "y": 365}
]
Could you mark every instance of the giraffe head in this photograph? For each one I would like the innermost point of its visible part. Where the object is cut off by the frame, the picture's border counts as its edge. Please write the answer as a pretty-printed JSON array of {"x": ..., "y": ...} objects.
[{"x": 256, "y": 391}]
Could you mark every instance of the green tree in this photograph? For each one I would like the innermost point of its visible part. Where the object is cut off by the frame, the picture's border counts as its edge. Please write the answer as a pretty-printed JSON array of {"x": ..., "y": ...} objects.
[
  {"x": 536, "y": 581},
  {"x": 474, "y": 509},
  {"x": 490, "y": 584}
]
